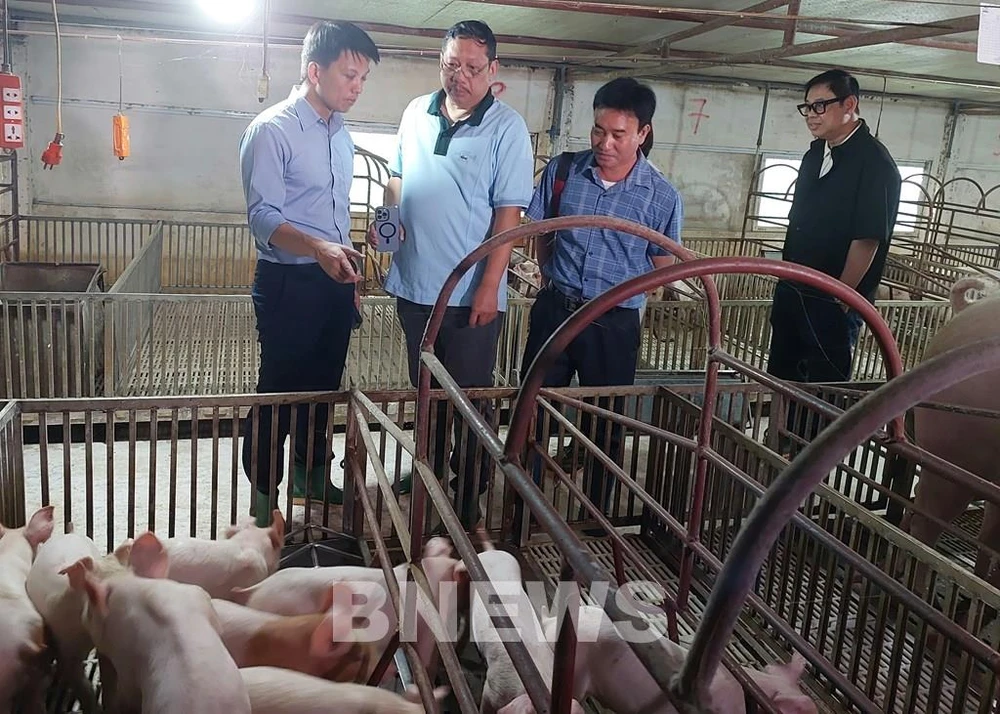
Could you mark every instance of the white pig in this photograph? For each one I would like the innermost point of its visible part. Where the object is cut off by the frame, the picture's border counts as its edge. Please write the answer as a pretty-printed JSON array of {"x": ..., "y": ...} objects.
[
  {"x": 321, "y": 644},
  {"x": 162, "y": 638},
  {"x": 22, "y": 636},
  {"x": 62, "y": 607},
  {"x": 282, "y": 691},
  {"x": 607, "y": 669},
  {"x": 302, "y": 591},
  {"x": 246, "y": 556},
  {"x": 503, "y": 685}
]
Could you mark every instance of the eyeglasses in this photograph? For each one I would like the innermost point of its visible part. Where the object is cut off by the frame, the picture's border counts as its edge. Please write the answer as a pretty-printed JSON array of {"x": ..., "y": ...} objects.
[
  {"x": 818, "y": 107},
  {"x": 470, "y": 72}
]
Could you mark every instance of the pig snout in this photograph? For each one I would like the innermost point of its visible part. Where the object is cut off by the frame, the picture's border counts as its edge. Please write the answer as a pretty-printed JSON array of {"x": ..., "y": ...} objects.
[{"x": 973, "y": 288}]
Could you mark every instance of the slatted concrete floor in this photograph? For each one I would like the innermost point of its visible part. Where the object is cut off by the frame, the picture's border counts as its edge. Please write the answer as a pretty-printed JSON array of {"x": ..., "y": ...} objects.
[
  {"x": 210, "y": 347},
  {"x": 753, "y": 646}
]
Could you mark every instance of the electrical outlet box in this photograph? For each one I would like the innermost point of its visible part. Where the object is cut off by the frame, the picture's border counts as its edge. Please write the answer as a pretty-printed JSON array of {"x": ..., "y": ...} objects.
[
  {"x": 12, "y": 133},
  {"x": 11, "y": 112}
]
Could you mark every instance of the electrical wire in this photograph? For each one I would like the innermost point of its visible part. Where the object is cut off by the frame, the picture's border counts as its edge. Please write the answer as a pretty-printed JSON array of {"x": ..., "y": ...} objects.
[
  {"x": 121, "y": 74},
  {"x": 55, "y": 17}
]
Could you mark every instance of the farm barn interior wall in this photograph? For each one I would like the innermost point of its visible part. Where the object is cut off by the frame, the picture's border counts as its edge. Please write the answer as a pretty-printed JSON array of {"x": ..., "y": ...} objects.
[{"x": 190, "y": 102}]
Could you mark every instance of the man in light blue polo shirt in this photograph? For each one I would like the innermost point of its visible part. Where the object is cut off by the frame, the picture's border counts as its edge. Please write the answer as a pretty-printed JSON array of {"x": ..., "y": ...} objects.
[
  {"x": 613, "y": 178},
  {"x": 297, "y": 162},
  {"x": 462, "y": 172}
]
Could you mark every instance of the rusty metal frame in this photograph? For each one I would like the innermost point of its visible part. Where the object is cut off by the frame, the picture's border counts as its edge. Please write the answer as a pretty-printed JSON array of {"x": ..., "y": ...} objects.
[{"x": 508, "y": 454}]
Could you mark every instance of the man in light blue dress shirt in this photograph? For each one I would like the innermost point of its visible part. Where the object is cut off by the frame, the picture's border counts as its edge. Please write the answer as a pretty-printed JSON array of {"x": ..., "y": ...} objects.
[
  {"x": 297, "y": 162},
  {"x": 462, "y": 172}
]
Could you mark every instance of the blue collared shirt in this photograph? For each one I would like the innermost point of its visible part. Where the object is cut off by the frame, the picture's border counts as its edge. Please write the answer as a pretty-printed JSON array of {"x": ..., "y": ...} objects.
[
  {"x": 586, "y": 262},
  {"x": 454, "y": 177},
  {"x": 297, "y": 168}
]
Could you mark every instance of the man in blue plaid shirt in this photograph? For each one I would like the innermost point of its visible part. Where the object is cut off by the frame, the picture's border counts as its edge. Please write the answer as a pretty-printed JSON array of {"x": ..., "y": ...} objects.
[{"x": 613, "y": 178}]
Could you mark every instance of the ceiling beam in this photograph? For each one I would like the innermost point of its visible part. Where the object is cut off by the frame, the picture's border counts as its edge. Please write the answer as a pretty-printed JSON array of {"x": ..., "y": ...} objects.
[
  {"x": 864, "y": 39},
  {"x": 715, "y": 24},
  {"x": 793, "y": 11},
  {"x": 812, "y": 26},
  {"x": 183, "y": 12}
]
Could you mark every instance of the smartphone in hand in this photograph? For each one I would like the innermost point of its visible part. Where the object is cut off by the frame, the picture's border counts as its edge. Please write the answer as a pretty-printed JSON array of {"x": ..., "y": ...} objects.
[{"x": 387, "y": 228}]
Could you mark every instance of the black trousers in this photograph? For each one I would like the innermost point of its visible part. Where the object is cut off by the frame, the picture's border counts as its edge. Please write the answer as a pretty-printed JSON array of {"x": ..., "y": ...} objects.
[
  {"x": 304, "y": 321},
  {"x": 469, "y": 354},
  {"x": 604, "y": 354},
  {"x": 812, "y": 340}
]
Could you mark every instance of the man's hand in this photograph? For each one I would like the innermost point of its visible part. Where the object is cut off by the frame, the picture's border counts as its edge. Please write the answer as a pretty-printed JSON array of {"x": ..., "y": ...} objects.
[
  {"x": 336, "y": 262},
  {"x": 484, "y": 305},
  {"x": 373, "y": 235}
]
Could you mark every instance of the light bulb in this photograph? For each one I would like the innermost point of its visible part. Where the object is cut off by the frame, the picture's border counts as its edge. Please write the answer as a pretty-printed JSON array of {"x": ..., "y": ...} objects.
[{"x": 230, "y": 11}]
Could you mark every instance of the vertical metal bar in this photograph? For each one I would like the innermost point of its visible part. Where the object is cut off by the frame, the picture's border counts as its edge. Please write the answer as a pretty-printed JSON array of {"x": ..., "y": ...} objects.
[
  {"x": 214, "y": 523},
  {"x": 67, "y": 475},
  {"x": 131, "y": 473},
  {"x": 154, "y": 423},
  {"x": 194, "y": 474},
  {"x": 109, "y": 441}
]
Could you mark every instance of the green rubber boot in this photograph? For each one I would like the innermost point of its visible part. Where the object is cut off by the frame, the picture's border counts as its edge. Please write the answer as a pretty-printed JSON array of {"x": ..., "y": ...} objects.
[
  {"x": 262, "y": 509},
  {"x": 315, "y": 481}
]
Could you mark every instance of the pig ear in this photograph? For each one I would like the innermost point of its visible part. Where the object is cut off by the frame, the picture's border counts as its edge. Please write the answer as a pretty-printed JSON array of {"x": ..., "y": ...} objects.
[
  {"x": 77, "y": 572},
  {"x": 124, "y": 551},
  {"x": 81, "y": 578},
  {"x": 148, "y": 557},
  {"x": 40, "y": 526},
  {"x": 277, "y": 530}
]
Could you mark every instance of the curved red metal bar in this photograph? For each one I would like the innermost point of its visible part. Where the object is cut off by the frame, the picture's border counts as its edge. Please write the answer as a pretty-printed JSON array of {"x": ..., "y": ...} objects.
[
  {"x": 575, "y": 323},
  {"x": 529, "y": 230},
  {"x": 779, "y": 503}
]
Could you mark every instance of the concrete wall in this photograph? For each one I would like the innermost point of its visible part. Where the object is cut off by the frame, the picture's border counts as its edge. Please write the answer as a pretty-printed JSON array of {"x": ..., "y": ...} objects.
[{"x": 194, "y": 101}]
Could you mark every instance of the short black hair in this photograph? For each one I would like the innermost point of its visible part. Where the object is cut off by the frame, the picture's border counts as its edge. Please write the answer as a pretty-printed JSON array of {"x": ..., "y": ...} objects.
[
  {"x": 627, "y": 95},
  {"x": 841, "y": 83},
  {"x": 472, "y": 30},
  {"x": 326, "y": 41}
]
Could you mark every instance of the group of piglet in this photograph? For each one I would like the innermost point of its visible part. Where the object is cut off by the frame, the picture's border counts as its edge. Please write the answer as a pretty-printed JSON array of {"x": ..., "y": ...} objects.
[
  {"x": 181, "y": 625},
  {"x": 606, "y": 668},
  {"x": 193, "y": 625}
]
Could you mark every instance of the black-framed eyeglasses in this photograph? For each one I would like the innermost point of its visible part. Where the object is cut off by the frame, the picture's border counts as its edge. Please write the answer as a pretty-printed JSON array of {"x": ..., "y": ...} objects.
[
  {"x": 470, "y": 72},
  {"x": 818, "y": 107}
]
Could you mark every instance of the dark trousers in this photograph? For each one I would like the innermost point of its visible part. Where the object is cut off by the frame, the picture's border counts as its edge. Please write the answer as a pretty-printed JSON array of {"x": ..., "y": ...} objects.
[
  {"x": 812, "y": 340},
  {"x": 604, "y": 354},
  {"x": 304, "y": 320},
  {"x": 469, "y": 354}
]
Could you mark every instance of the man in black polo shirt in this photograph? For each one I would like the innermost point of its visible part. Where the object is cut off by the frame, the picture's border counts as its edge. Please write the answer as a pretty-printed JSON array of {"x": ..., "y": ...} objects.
[{"x": 840, "y": 223}]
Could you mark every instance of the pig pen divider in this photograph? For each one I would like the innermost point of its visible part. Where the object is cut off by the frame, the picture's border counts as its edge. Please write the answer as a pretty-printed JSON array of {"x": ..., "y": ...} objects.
[{"x": 517, "y": 436}]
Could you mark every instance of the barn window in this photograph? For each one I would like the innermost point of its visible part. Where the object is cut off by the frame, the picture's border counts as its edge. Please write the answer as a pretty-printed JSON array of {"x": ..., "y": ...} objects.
[{"x": 776, "y": 185}]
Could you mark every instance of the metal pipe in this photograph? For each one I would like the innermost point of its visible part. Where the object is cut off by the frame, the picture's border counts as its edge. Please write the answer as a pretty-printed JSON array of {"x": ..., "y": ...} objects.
[
  {"x": 586, "y": 569},
  {"x": 780, "y": 502},
  {"x": 519, "y": 233},
  {"x": 967, "y": 23},
  {"x": 669, "y": 606},
  {"x": 634, "y": 424},
  {"x": 6, "y": 41},
  {"x": 976, "y": 484},
  {"x": 807, "y": 24},
  {"x": 518, "y": 432}
]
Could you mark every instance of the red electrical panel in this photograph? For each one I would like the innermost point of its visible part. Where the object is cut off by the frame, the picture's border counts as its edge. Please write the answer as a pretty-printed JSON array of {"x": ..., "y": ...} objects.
[{"x": 11, "y": 112}]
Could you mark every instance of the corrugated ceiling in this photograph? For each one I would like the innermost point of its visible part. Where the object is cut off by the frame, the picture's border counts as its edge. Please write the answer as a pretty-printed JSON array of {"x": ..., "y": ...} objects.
[{"x": 599, "y": 38}]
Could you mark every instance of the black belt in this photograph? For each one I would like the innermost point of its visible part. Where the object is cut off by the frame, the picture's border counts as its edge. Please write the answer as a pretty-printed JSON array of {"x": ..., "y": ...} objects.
[{"x": 572, "y": 304}]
